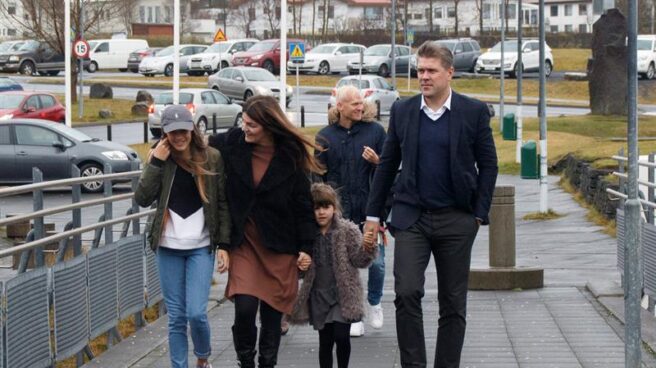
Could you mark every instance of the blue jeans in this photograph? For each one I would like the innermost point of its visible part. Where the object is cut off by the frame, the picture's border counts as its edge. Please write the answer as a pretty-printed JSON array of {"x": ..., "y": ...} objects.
[
  {"x": 186, "y": 276},
  {"x": 376, "y": 277}
]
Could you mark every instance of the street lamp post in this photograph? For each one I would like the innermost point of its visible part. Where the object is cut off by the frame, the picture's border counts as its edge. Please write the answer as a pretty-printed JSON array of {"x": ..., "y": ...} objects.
[
  {"x": 283, "y": 55},
  {"x": 67, "y": 57},
  {"x": 502, "y": 76},
  {"x": 176, "y": 52},
  {"x": 544, "y": 184},
  {"x": 519, "y": 68}
]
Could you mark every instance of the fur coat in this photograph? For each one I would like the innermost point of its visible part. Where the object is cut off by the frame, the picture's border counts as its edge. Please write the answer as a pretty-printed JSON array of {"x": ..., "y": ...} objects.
[{"x": 347, "y": 255}]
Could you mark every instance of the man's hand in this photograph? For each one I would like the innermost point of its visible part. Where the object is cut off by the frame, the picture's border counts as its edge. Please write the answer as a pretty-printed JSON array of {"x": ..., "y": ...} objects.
[
  {"x": 162, "y": 150},
  {"x": 370, "y": 155},
  {"x": 304, "y": 261},
  {"x": 370, "y": 230},
  {"x": 223, "y": 263}
]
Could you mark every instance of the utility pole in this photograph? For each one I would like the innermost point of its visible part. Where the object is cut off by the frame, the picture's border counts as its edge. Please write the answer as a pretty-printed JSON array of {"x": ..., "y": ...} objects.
[
  {"x": 393, "y": 51},
  {"x": 502, "y": 92},
  {"x": 544, "y": 184},
  {"x": 176, "y": 52},
  {"x": 519, "y": 72},
  {"x": 67, "y": 57},
  {"x": 632, "y": 260},
  {"x": 80, "y": 68},
  {"x": 283, "y": 54}
]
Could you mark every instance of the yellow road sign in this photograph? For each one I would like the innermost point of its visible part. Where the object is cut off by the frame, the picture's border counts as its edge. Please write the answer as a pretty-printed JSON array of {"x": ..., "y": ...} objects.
[
  {"x": 220, "y": 36},
  {"x": 298, "y": 51}
]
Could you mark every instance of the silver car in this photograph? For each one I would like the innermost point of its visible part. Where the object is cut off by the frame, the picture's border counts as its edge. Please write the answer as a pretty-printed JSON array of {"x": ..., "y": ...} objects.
[
  {"x": 378, "y": 59},
  {"x": 243, "y": 82},
  {"x": 372, "y": 88},
  {"x": 202, "y": 103},
  {"x": 220, "y": 52},
  {"x": 465, "y": 54},
  {"x": 162, "y": 63}
]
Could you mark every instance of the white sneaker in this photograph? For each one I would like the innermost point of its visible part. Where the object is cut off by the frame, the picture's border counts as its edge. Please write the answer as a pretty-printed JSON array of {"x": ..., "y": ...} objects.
[
  {"x": 376, "y": 316},
  {"x": 357, "y": 329}
]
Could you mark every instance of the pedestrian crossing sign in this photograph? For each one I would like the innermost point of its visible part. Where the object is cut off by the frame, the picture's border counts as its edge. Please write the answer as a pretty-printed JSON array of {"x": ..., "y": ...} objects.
[
  {"x": 296, "y": 51},
  {"x": 220, "y": 36}
]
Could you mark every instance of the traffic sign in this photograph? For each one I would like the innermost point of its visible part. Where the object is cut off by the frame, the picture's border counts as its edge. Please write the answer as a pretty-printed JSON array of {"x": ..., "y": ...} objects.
[
  {"x": 81, "y": 49},
  {"x": 411, "y": 37},
  {"x": 220, "y": 36},
  {"x": 296, "y": 51}
]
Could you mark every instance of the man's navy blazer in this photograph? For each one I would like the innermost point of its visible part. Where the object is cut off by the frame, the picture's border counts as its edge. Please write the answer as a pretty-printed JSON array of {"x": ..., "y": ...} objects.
[{"x": 473, "y": 161}]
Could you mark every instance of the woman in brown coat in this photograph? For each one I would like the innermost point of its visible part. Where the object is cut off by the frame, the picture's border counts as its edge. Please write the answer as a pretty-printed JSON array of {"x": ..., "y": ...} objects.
[{"x": 331, "y": 296}]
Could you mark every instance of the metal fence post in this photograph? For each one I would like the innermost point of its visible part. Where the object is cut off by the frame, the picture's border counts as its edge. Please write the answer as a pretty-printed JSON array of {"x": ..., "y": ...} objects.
[
  {"x": 378, "y": 110},
  {"x": 109, "y": 236},
  {"x": 109, "y": 132},
  {"x": 214, "y": 123},
  {"x": 145, "y": 131},
  {"x": 76, "y": 192},
  {"x": 135, "y": 207},
  {"x": 37, "y": 177},
  {"x": 303, "y": 116}
]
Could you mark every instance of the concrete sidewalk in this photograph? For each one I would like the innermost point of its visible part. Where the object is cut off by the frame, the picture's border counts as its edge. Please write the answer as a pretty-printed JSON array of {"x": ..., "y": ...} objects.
[{"x": 562, "y": 325}]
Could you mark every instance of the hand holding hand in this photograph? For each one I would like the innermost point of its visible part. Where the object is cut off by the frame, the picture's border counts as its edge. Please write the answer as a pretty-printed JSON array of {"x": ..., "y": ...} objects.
[
  {"x": 369, "y": 230},
  {"x": 370, "y": 155},
  {"x": 162, "y": 150},
  {"x": 223, "y": 263},
  {"x": 304, "y": 261}
]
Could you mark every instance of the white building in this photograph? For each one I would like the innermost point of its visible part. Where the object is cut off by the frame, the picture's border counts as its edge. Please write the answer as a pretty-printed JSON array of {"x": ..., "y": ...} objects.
[
  {"x": 8, "y": 28},
  {"x": 571, "y": 15}
]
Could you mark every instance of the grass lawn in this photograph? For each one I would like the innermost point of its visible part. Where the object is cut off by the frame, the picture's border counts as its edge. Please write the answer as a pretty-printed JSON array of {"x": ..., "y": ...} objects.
[
  {"x": 571, "y": 60},
  {"x": 120, "y": 108}
]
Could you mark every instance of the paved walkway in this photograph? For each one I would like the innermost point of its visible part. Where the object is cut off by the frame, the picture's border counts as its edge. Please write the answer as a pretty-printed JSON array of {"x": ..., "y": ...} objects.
[{"x": 562, "y": 325}]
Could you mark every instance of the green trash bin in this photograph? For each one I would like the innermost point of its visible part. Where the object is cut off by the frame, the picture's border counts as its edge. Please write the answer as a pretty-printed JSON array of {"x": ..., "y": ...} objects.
[
  {"x": 509, "y": 127},
  {"x": 530, "y": 166}
]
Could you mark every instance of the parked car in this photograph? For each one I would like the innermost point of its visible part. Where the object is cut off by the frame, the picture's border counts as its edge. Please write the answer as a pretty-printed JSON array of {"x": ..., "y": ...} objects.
[
  {"x": 490, "y": 62},
  {"x": 647, "y": 56},
  {"x": 136, "y": 56},
  {"x": 31, "y": 105},
  {"x": 9, "y": 46},
  {"x": 112, "y": 53},
  {"x": 465, "y": 54},
  {"x": 53, "y": 148},
  {"x": 33, "y": 57},
  {"x": 372, "y": 88},
  {"x": 328, "y": 58},
  {"x": 202, "y": 103},
  {"x": 241, "y": 83},
  {"x": 219, "y": 53},
  {"x": 378, "y": 59},
  {"x": 264, "y": 54},
  {"x": 162, "y": 63},
  {"x": 8, "y": 84}
]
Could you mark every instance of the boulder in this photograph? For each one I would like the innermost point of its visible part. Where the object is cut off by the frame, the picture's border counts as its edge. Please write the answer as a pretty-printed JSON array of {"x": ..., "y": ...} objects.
[
  {"x": 145, "y": 96},
  {"x": 105, "y": 113},
  {"x": 101, "y": 90},
  {"x": 607, "y": 69},
  {"x": 140, "y": 109},
  {"x": 576, "y": 76}
]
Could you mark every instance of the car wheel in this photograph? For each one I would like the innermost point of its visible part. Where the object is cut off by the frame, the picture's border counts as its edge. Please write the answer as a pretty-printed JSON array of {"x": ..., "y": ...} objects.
[
  {"x": 53, "y": 73},
  {"x": 548, "y": 68},
  {"x": 238, "y": 120},
  {"x": 202, "y": 125},
  {"x": 324, "y": 68},
  {"x": 268, "y": 65},
  {"x": 383, "y": 71},
  {"x": 168, "y": 70},
  {"x": 224, "y": 64},
  {"x": 473, "y": 67},
  {"x": 248, "y": 95},
  {"x": 92, "y": 170},
  {"x": 515, "y": 71},
  {"x": 43, "y": 74},
  {"x": 156, "y": 132},
  {"x": 651, "y": 71},
  {"x": 93, "y": 67},
  {"x": 27, "y": 68},
  {"x": 122, "y": 70}
]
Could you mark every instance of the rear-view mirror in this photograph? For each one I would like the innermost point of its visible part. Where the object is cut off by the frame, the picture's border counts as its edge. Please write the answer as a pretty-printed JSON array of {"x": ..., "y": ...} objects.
[
  {"x": 239, "y": 79},
  {"x": 59, "y": 145},
  {"x": 338, "y": 53},
  {"x": 29, "y": 109}
]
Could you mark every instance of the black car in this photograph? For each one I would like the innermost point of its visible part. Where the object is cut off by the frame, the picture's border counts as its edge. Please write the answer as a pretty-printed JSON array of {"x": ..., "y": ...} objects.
[
  {"x": 8, "y": 84},
  {"x": 54, "y": 148},
  {"x": 33, "y": 57}
]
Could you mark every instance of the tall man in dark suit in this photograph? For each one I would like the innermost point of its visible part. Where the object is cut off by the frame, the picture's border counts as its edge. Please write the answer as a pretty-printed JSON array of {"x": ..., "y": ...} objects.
[{"x": 449, "y": 167}]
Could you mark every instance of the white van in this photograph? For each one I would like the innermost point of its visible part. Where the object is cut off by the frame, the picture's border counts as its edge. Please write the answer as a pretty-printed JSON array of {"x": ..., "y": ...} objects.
[{"x": 112, "y": 53}]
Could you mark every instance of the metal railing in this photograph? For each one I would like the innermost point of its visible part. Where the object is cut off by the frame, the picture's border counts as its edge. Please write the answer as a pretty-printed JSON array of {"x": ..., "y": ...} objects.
[{"x": 50, "y": 313}]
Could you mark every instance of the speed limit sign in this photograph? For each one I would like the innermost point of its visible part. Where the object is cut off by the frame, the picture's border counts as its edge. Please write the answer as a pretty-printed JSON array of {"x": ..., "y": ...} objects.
[{"x": 81, "y": 49}]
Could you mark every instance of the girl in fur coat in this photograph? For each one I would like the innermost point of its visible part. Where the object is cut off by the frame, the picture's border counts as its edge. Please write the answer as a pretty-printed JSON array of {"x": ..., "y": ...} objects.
[{"x": 331, "y": 296}]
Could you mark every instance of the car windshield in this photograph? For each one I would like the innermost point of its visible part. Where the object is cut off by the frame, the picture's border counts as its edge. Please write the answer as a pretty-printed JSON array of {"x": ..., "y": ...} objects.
[
  {"x": 166, "y": 52},
  {"x": 262, "y": 46},
  {"x": 380, "y": 50},
  {"x": 29, "y": 46},
  {"x": 10, "y": 101},
  {"x": 510, "y": 46},
  {"x": 323, "y": 49},
  {"x": 92, "y": 45},
  {"x": 6, "y": 46},
  {"x": 449, "y": 45},
  {"x": 6, "y": 82},
  {"x": 353, "y": 82},
  {"x": 258, "y": 75},
  {"x": 167, "y": 98},
  {"x": 219, "y": 47},
  {"x": 644, "y": 45},
  {"x": 72, "y": 133}
]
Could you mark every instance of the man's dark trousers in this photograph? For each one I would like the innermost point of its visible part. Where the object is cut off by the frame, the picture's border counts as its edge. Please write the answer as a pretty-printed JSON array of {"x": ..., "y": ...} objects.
[{"x": 447, "y": 234}]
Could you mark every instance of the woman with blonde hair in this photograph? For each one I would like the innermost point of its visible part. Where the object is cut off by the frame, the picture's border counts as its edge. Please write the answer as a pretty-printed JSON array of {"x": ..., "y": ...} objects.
[
  {"x": 187, "y": 180},
  {"x": 268, "y": 164}
]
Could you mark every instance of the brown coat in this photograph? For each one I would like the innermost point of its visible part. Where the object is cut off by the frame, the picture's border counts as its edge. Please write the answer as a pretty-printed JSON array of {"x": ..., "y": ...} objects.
[{"x": 348, "y": 255}]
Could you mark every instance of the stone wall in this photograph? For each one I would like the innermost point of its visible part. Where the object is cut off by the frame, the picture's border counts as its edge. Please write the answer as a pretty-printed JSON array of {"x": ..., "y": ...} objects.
[{"x": 590, "y": 182}]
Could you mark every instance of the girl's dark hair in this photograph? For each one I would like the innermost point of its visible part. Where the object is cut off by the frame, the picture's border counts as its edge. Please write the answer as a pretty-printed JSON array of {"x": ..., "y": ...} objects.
[
  {"x": 265, "y": 111},
  {"x": 323, "y": 195}
]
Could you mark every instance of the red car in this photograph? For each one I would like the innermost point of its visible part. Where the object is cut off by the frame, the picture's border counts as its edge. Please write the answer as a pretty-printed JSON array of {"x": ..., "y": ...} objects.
[
  {"x": 31, "y": 105},
  {"x": 264, "y": 54}
]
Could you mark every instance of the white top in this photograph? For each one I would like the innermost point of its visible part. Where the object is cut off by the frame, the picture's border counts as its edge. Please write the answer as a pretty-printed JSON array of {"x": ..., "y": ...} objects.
[
  {"x": 186, "y": 233},
  {"x": 433, "y": 114}
]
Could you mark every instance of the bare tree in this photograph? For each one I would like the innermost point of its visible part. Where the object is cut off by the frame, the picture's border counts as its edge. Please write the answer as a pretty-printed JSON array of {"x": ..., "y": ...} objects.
[
  {"x": 456, "y": 3},
  {"x": 479, "y": 10},
  {"x": 272, "y": 14},
  {"x": 430, "y": 15},
  {"x": 324, "y": 28},
  {"x": 314, "y": 17},
  {"x": 126, "y": 13},
  {"x": 242, "y": 17}
]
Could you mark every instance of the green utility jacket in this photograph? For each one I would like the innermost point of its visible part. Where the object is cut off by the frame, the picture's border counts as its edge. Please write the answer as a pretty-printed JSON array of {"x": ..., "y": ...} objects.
[{"x": 155, "y": 185}]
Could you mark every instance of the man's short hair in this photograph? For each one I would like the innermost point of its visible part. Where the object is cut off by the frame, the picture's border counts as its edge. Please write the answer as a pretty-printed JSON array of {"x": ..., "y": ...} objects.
[
  {"x": 431, "y": 49},
  {"x": 344, "y": 93}
]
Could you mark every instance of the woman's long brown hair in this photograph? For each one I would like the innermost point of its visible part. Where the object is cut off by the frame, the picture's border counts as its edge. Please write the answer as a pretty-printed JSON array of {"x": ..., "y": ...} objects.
[{"x": 265, "y": 111}]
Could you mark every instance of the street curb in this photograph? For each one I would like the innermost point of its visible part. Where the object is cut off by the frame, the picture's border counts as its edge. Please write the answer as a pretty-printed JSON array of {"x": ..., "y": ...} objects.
[{"x": 77, "y": 124}]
